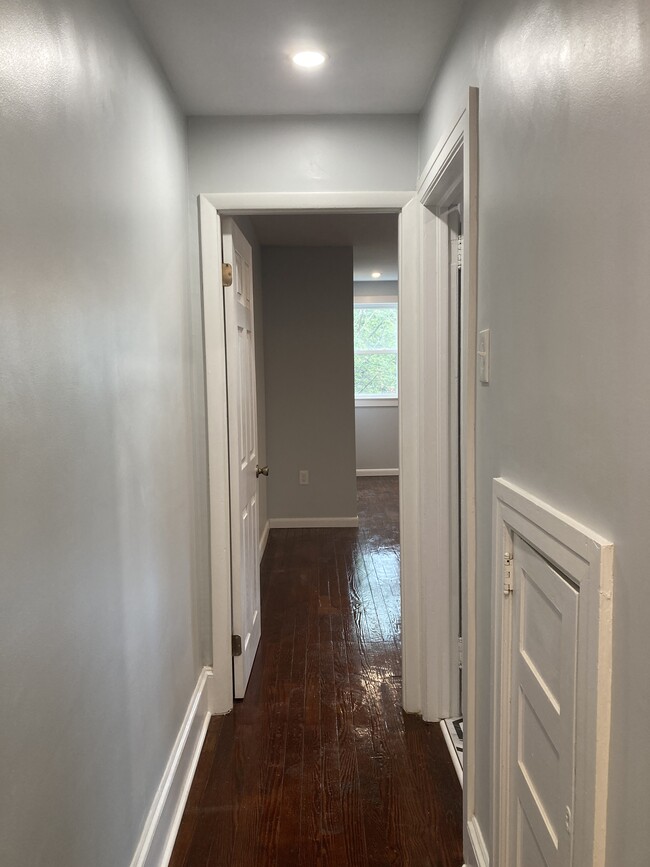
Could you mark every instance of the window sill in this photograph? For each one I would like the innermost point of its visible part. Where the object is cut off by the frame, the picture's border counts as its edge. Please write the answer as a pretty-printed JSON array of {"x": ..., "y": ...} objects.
[{"x": 361, "y": 402}]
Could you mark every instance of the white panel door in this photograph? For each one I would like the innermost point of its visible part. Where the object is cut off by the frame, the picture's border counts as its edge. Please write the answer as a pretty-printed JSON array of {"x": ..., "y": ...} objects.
[
  {"x": 542, "y": 708},
  {"x": 242, "y": 438}
]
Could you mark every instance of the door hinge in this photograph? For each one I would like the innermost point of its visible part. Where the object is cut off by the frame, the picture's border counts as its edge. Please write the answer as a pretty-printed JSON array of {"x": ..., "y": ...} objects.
[
  {"x": 460, "y": 651},
  {"x": 507, "y": 574},
  {"x": 568, "y": 820},
  {"x": 459, "y": 251},
  {"x": 236, "y": 645},
  {"x": 226, "y": 274}
]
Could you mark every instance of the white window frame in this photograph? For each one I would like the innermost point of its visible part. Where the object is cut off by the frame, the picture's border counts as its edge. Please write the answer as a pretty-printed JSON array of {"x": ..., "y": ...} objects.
[{"x": 378, "y": 301}]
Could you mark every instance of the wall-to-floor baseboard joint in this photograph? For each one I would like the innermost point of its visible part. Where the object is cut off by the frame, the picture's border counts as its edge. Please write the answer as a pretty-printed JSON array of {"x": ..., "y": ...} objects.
[
  {"x": 477, "y": 841},
  {"x": 160, "y": 829},
  {"x": 297, "y": 523},
  {"x": 264, "y": 540}
]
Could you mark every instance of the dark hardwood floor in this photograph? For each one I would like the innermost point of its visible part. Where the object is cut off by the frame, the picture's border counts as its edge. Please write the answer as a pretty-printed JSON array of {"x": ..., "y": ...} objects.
[{"x": 318, "y": 765}]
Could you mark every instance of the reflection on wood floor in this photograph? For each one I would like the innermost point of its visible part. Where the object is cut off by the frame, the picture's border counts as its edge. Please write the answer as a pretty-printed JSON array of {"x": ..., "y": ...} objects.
[{"x": 318, "y": 765}]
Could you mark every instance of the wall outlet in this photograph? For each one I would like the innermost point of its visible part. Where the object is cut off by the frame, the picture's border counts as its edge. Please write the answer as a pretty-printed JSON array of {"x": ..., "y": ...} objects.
[{"x": 303, "y": 477}]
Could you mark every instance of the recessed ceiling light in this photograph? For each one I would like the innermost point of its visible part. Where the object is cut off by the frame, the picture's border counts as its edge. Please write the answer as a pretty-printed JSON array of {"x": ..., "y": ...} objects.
[
  {"x": 376, "y": 275},
  {"x": 309, "y": 59}
]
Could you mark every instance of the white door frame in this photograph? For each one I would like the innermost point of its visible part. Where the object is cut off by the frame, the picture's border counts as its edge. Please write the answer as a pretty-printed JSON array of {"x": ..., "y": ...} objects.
[
  {"x": 211, "y": 208},
  {"x": 586, "y": 558},
  {"x": 454, "y": 158}
]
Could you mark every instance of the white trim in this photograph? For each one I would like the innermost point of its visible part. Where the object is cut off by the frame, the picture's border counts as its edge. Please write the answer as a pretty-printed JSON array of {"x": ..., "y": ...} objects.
[
  {"x": 410, "y": 448},
  {"x": 372, "y": 402},
  {"x": 377, "y": 300},
  {"x": 452, "y": 751},
  {"x": 159, "y": 834},
  {"x": 587, "y": 559},
  {"x": 263, "y": 540},
  {"x": 294, "y": 523},
  {"x": 447, "y": 144},
  {"x": 211, "y": 205},
  {"x": 455, "y": 157},
  {"x": 477, "y": 844},
  {"x": 390, "y": 472},
  {"x": 216, "y": 400},
  {"x": 360, "y": 202},
  {"x": 454, "y": 161}
]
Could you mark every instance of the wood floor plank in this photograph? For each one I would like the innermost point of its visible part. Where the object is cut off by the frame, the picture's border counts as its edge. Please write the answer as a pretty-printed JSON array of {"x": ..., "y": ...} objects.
[
  {"x": 319, "y": 766},
  {"x": 192, "y": 812}
]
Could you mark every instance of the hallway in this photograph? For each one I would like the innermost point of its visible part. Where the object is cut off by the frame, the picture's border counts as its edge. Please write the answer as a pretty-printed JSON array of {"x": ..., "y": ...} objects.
[{"x": 318, "y": 765}]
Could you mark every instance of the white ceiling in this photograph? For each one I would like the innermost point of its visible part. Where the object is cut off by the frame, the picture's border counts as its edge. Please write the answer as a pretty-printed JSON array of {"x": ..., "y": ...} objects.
[
  {"x": 373, "y": 237},
  {"x": 231, "y": 57}
]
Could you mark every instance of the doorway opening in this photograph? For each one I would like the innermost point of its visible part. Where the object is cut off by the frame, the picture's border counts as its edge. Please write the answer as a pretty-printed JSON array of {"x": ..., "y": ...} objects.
[
  {"x": 324, "y": 354},
  {"x": 212, "y": 209}
]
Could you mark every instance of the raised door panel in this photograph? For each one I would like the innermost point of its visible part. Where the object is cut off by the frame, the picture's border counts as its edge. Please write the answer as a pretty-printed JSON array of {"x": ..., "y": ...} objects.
[
  {"x": 242, "y": 422},
  {"x": 542, "y": 724}
]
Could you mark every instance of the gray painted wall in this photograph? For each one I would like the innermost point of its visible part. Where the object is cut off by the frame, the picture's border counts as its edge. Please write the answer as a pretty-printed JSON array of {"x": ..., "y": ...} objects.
[
  {"x": 563, "y": 284},
  {"x": 98, "y": 646},
  {"x": 377, "y": 436},
  {"x": 375, "y": 289},
  {"x": 304, "y": 154},
  {"x": 309, "y": 373},
  {"x": 377, "y": 427}
]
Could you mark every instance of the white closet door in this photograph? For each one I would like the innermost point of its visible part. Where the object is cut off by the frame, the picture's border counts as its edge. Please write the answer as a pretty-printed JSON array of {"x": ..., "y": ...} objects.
[
  {"x": 542, "y": 708},
  {"x": 242, "y": 437}
]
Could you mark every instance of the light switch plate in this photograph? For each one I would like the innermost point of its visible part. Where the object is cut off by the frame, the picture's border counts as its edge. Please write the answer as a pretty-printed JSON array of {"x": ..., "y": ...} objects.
[
  {"x": 303, "y": 477},
  {"x": 484, "y": 355}
]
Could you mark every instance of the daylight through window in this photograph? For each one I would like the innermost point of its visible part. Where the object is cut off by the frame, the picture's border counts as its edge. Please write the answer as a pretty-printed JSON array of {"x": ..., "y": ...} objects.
[{"x": 375, "y": 351}]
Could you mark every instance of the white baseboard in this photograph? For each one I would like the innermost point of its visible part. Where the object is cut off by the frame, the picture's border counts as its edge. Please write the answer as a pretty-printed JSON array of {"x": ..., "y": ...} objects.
[
  {"x": 479, "y": 849},
  {"x": 295, "y": 523},
  {"x": 264, "y": 540},
  {"x": 390, "y": 472},
  {"x": 452, "y": 752},
  {"x": 160, "y": 829}
]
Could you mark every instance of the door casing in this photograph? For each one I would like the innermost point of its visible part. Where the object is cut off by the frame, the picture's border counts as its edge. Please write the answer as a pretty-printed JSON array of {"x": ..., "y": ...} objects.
[
  {"x": 453, "y": 163},
  {"x": 212, "y": 207}
]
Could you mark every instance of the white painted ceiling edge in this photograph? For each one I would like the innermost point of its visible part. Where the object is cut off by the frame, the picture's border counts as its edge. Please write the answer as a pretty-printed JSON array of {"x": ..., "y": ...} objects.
[{"x": 224, "y": 57}]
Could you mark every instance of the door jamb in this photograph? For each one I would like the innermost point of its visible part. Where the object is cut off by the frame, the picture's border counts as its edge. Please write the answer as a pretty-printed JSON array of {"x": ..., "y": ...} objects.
[
  {"x": 438, "y": 179},
  {"x": 211, "y": 208}
]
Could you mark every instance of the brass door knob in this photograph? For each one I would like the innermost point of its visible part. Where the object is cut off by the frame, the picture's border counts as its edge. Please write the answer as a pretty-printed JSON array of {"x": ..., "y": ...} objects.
[{"x": 261, "y": 471}]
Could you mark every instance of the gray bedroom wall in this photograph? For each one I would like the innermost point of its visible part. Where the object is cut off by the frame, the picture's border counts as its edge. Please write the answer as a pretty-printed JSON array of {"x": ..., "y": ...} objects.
[
  {"x": 564, "y": 259},
  {"x": 99, "y": 650},
  {"x": 309, "y": 373},
  {"x": 377, "y": 437}
]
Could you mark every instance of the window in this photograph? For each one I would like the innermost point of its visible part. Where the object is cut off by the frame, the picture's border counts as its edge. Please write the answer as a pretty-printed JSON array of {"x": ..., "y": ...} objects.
[{"x": 375, "y": 351}]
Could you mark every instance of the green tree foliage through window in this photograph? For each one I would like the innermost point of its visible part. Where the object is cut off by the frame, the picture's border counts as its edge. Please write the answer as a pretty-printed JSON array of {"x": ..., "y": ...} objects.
[{"x": 375, "y": 350}]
